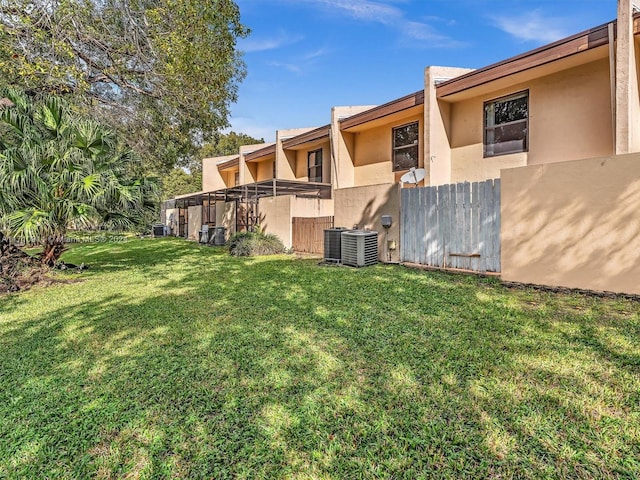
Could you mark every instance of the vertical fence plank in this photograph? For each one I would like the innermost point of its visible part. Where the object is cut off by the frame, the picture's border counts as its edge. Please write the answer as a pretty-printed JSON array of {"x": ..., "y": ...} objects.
[
  {"x": 420, "y": 226},
  {"x": 466, "y": 213},
  {"x": 482, "y": 225},
  {"x": 446, "y": 210},
  {"x": 432, "y": 226},
  {"x": 440, "y": 201},
  {"x": 459, "y": 227},
  {"x": 490, "y": 227},
  {"x": 415, "y": 191},
  {"x": 475, "y": 230},
  {"x": 497, "y": 223},
  {"x": 404, "y": 211},
  {"x": 412, "y": 225}
]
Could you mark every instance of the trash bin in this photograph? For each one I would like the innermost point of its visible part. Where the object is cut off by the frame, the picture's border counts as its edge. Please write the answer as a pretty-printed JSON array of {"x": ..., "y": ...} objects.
[
  {"x": 159, "y": 230},
  {"x": 219, "y": 234},
  {"x": 204, "y": 234}
]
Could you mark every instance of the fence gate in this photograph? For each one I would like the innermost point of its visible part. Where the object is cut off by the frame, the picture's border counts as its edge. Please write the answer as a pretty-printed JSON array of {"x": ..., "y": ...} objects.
[
  {"x": 308, "y": 233},
  {"x": 452, "y": 226}
]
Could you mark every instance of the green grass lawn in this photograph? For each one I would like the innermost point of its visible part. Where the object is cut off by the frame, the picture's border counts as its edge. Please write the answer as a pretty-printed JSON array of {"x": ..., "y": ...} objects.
[{"x": 171, "y": 360}]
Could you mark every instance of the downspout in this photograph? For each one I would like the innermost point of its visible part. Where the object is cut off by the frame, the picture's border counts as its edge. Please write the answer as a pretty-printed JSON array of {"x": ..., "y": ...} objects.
[{"x": 612, "y": 83}]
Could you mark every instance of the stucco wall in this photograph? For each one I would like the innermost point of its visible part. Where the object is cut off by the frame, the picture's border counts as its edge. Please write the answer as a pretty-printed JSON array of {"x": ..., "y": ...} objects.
[
  {"x": 437, "y": 121},
  {"x": 343, "y": 146},
  {"x": 364, "y": 206},
  {"x": 212, "y": 178},
  {"x": 301, "y": 170},
  {"x": 372, "y": 152},
  {"x": 195, "y": 222},
  {"x": 265, "y": 170},
  {"x": 275, "y": 217},
  {"x": 226, "y": 217},
  {"x": 573, "y": 224},
  {"x": 276, "y": 213},
  {"x": 569, "y": 119}
]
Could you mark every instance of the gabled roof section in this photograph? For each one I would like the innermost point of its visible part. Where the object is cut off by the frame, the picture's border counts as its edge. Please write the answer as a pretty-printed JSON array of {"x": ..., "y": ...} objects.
[
  {"x": 309, "y": 137},
  {"x": 260, "y": 154},
  {"x": 390, "y": 108},
  {"x": 228, "y": 163},
  {"x": 578, "y": 43}
]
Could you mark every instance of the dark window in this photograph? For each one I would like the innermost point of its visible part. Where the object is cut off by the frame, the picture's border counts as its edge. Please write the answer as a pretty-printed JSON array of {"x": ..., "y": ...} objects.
[
  {"x": 315, "y": 165},
  {"x": 236, "y": 179},
  {"x": 506, "y": 125},
  {"x": 405, "y": 147}
]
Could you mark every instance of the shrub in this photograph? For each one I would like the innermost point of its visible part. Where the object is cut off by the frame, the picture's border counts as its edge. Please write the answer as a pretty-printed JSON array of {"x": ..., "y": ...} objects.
[{"x": 246, "y": 244}]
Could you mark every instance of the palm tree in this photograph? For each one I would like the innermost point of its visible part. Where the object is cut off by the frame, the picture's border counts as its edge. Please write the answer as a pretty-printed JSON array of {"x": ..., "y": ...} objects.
[{"x": 59, "y": 171}]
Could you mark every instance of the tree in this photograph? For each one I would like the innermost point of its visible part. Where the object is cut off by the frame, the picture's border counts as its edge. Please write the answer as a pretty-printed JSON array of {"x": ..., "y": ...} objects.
[
  {"x": 179, "y": 182},
  {"x": 58, "y": 171},
  {"x": 161, "y": 72},
  {"x": 227, "y": 144}
]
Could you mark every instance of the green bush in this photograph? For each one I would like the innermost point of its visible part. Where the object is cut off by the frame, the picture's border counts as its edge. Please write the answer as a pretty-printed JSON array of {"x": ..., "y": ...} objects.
[{"x": 246, "y": 244}]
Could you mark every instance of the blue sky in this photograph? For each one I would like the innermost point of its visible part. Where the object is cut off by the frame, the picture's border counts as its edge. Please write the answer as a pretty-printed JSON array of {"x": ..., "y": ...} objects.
[{"x": 305, "y": 56}]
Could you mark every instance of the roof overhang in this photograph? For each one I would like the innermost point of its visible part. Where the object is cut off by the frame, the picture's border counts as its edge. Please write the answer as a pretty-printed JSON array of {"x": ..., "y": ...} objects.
[
  {"x": 396, "y": 109},
  {"x": 308, "y": 139},
  {"x": 578, "y": 49},
  {"x": 230, "y": 164},
  {"x": 262, "y": 154}
]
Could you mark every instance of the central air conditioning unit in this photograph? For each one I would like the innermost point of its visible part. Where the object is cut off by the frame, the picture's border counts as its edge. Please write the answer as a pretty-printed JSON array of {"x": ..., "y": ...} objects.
[
  {"x": 332, "y": 244},
  {"x": 359, "y": 248}
]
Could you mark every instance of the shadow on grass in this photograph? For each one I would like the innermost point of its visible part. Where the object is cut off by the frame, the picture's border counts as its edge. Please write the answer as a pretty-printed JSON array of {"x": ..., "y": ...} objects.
[{"x": 266, "y": 368}]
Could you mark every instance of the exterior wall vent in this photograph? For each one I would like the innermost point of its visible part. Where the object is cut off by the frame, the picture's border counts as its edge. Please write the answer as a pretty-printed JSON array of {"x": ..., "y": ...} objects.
[
  {"x": 359, "y": 248},
  {"x": 332, "y": 248}
]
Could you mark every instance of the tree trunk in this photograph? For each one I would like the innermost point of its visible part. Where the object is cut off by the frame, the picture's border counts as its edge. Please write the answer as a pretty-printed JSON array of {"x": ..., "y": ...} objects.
[{"x": 52, "y": 251}]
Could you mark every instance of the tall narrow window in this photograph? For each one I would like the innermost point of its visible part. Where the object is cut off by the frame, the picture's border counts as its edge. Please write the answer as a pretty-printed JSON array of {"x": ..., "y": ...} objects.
[
  {"x": 405, "y": 146},
  {"x": 236, "y": 179},
  {"x": 506, "y": 125},
  {"x": 315, "y": 165}
]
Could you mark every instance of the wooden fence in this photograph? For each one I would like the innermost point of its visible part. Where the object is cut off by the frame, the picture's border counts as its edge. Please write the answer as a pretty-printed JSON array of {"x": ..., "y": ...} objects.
[
  {"x": 308, "y": 233},
  {"x": 452, "y": 226}
]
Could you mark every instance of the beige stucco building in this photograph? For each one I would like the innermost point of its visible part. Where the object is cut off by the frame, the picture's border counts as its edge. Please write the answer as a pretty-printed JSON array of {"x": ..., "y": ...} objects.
[{"x": 571, "y": 100}]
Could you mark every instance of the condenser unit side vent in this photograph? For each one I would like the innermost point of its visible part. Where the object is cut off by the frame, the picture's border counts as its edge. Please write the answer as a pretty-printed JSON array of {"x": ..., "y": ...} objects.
[
  {"x": 359, "y": 248},
  {"x": 332, "y": 244}
]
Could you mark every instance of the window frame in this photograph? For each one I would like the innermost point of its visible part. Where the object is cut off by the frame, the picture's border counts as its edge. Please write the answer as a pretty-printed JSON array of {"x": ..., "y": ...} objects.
[
  {"x": 486, "y": 128},
  {"x": 395, "y": 148},
  {"x": 315, "y": 166}
]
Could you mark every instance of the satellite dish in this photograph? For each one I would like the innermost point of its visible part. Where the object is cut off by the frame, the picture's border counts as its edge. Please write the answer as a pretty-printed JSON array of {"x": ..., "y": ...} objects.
[{"x": 414, "y": 175}]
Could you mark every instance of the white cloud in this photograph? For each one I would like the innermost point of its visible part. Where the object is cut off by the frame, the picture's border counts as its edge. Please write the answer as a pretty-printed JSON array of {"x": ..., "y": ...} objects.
[
  {"x": 300, "y": 64},
  {"x": 321, "y": 52},
  {"x": 532, "y": 27},
  {"x": 389, "y": 15},
  {"x": 426, "y": 33},
  {"x": 292, "y": 67},
  {"x": 262, "y": 44},
  {"x": 363, "y": 9}
]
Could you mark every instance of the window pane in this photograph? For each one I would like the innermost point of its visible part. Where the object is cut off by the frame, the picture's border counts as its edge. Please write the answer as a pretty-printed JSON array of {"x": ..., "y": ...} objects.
[
  {"x": 407, "y": 135},
  {"x": 506, "y": 123},
  {"x": 507, "y": 139},
  {"x": 405, "y": 158},
  {"x": 507, "y": 111},
  {"x": 315, "y": 165}
]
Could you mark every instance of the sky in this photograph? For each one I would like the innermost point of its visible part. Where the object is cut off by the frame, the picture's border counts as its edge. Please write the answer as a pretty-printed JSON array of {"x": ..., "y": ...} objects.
[{"x": 305, "y": 56}]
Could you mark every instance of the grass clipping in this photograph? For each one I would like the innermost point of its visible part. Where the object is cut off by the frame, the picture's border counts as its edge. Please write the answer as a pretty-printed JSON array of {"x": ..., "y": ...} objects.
[{"x": 247, "y": 244}]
